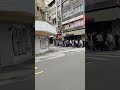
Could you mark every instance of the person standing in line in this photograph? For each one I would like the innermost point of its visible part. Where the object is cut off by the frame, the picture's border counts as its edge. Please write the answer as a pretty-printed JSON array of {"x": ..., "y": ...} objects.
[
  {"x": 117, "y": 37},
  {"x": 93, "y": 41},
  {"x": 100, "y": 41},
  {"x": 111, "y": 41},
  {"x": 86, "y": 42},
  {"x": 70, "y": 43},
  {"x": 81, "y": 43}
]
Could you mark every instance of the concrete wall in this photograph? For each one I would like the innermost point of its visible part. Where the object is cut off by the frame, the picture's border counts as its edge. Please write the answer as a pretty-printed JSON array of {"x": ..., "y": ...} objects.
[
  {"x": 16, "y": 44},
  {"x": 17, "y": 5}
]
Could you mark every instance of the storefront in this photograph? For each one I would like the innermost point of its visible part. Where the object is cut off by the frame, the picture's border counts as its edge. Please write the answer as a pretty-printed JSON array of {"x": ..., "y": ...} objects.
[
  {"x": 108, "y": 20},
  {"x": 42, "y": 44},
  {"x": 43, "y": 31},
  {"x": 77, "y": 34},
  {"x": 17, "y": 32}
]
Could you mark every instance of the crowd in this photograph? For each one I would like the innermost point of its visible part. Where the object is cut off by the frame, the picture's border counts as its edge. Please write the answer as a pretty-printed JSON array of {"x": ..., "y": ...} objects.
[
  {"x": 102, "y": 41},
  {"x": 71, "y": 43}
]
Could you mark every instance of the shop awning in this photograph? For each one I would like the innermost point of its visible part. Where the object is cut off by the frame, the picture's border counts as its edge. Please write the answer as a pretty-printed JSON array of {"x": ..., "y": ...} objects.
[{"x": 42, "y": 26}]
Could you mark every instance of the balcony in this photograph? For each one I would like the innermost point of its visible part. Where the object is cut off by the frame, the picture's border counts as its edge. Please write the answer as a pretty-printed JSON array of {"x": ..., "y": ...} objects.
[
  {"x": 72, "y": 16},
  {"x": 73, "y": 29},
  {"x": 100, "y": 5}
]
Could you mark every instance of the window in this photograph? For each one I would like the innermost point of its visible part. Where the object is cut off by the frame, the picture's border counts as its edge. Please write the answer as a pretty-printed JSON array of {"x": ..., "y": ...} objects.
[
  {"x": 77, "y": 9},
  {"x": 37, "y": 8},
  {"x": 58, "y": 8},
  {"x": 54, "y": 21},
  {"x": 65, "y": 3}
]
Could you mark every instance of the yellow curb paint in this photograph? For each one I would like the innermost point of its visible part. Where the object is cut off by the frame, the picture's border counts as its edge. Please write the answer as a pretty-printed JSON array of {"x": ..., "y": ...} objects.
[
  {"x": 39, "y": 72},
  {"x": 36, "y": 67}
]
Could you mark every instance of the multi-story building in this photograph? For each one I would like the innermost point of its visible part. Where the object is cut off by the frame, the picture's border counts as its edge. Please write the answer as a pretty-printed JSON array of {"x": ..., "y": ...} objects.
[
  {"x": 73, "y": 26},
  {"x": 42, "y": 29},
  {"x": 52, "y": 18},
  {"x": 40, "y": 10},
  {"x": 17, "y": 33},
  {"x": 59, "y": 19},
  {"x": 103, "y": 16},
  {"x": 52, "y": 13}
]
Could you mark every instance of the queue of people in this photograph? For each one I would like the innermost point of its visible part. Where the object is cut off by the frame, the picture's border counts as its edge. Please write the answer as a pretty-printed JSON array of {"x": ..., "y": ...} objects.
[
  {"x": 71, "y": 43},
  {"x": 102, "y": 41}
]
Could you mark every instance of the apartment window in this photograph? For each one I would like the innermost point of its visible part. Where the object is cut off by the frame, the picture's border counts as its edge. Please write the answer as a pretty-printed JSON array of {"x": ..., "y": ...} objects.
[
  {"x": 77, "y": 9},
  {"x": 66, "y": 26},
  {"x": 37, "y": 8},
  {"x": 58, "y": 8},
  {"x": 54, "y": 21},
  {"x": 65, "y": 3}
]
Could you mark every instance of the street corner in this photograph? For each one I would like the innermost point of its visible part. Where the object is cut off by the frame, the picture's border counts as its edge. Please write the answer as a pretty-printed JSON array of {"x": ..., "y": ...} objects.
[{"x": 49, "y": 56}]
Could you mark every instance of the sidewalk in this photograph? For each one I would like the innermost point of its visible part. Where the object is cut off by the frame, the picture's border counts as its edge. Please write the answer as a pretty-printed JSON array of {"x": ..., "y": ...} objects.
[
  {"x": 56, "y": 52},
  {"x": 18, "y": 72},
  {"x": 53, "y": 52}
]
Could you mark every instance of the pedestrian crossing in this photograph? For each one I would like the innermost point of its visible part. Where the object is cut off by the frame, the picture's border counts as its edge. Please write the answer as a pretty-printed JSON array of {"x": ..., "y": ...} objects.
[{"x": 102, "y": 55}]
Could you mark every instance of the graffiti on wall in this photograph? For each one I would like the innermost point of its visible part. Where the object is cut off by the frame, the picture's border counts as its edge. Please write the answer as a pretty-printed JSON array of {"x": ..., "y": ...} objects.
[
  {"x": 21, "y": 39},
  {"x": 44, "y": 43}
]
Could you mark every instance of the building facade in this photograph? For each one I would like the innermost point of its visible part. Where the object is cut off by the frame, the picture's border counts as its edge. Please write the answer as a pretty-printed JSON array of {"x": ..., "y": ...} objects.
[
  {"x": 72, "y": 12},
  {"x": 43, "y": 30},
  {"x": 17, "y": 33},
  {"x": 103, "y": 16},
  {"x": 59, "y": 19},
  {"x": 52, "y": 19},
  {"x": 41, "y": 39},
  {"x": 40, "y": 12}
]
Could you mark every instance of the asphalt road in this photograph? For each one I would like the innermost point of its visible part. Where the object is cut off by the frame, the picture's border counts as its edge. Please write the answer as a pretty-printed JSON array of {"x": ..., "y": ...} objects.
[
  {"x": 102, "y": 71},
  {"x": 24, "y": 84},
  {"x": 63, "y": 73}
]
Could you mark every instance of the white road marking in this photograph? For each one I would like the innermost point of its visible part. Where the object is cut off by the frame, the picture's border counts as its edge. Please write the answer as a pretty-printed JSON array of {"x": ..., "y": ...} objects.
[{"x": 96, "y": 58}]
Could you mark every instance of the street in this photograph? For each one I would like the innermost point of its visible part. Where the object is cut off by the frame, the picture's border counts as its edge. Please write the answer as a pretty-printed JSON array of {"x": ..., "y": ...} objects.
[
  {"x": 63, "y": 72},
  {"x": 102, "y": 70},
  {"x": 19, "y": 77}
]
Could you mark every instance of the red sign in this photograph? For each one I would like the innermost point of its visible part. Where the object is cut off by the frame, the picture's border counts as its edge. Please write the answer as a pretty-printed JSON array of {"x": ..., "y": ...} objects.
[{"x": 59, "y": 36}]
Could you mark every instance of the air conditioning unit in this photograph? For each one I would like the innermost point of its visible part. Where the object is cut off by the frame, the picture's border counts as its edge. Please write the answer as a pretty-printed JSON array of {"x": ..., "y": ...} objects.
[{"x": 17, "y": 44}]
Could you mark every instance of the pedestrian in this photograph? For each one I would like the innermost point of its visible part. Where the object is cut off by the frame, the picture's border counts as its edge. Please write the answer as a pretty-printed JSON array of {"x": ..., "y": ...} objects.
[
  {"x": 111, "y": 41},
  {"x": 117, "y": 40},
  {"x": 86, "y": 42},
  {"x": 81, "y": 43},
  {"x": 100, "y": 41},
  {"x": 76, "y": 43},
  {"x": 94, "y": 41}
]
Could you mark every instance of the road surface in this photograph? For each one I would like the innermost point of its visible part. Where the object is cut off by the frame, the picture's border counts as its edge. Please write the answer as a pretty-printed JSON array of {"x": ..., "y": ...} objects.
[
  {"x": 102, "y": 71},
  {"x": 62, "y": 73}
]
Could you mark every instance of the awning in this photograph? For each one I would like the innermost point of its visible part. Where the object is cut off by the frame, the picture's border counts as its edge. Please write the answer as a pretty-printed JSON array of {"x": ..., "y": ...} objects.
[{"x": 42, "y": 26}]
